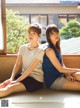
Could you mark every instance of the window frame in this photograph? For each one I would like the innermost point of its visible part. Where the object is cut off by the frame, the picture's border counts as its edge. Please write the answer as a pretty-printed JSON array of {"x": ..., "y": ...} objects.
[
  {"x": 3, "y": 14},
  {"x": 3, "y": 19}
]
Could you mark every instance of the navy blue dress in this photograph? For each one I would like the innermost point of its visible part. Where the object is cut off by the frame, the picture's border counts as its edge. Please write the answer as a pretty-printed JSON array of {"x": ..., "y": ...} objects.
[{"x": 50, "y": 72}]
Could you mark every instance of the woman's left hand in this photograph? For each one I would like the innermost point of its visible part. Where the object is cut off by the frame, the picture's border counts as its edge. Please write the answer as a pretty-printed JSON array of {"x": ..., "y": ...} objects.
[{"x": 70, "y": 78}]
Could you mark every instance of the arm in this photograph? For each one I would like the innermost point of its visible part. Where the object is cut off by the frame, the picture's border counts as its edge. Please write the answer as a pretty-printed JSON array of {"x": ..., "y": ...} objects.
[
  {"x": 29, "y": 71},
  {"x": 39, "y": 57},
  {"x": 16, "y": 66},
  {"x": 68, "y": 75},
  {"x": 15, "y": 70},
  {"x": 51, "y": 55}
]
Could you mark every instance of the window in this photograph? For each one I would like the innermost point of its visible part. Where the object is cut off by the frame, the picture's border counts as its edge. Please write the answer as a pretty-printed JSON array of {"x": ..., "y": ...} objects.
[
  {"x": 1, "y": 35},
  {"x": 79, "y": 18},
  {"x": 2, "y": 27},
  {"x": 70, "y": 38},
  {"x": 73, "y": 17},
  {"x": 62, "y": 20},
  {"x": 53, "y": 19},
  {"x": 25, "y": 16},
  {"x": 41, "y": 19}
]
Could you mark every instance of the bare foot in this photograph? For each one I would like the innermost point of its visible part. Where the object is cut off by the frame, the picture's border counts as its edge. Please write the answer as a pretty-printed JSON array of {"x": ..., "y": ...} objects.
[{"x": 2, "y": 85}]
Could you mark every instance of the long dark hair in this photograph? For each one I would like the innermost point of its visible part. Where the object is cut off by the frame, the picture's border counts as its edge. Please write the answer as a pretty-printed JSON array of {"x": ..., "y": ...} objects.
[{"x": 49, "y": 29}]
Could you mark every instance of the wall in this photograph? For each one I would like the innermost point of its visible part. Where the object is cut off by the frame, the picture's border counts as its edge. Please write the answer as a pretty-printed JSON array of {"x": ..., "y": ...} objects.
[
  {"x": 7, "y": 63},
  {"x": 6, "y": 66},
  {"x": 72, "y": 61},
  {"x": 55, "y": 9}
]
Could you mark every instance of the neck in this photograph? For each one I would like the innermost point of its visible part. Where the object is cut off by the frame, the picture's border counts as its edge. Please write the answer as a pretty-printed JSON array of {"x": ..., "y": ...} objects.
[{"x": 33, "y": 46}]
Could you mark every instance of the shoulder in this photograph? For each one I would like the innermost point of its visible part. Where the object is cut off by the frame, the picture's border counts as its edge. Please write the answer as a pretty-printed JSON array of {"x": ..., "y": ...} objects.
[
  {"x": 40, "y": 48},
  {"x": 23, "y": 46},
  {"x": 40, "y": 53},
  {"x": 49, "y": 51}
]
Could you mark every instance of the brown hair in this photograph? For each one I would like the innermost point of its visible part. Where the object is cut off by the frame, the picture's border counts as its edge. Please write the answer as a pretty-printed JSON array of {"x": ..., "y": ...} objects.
[
  {"x": 36, "y": 28},
  {"x": 49, "y": 29}
]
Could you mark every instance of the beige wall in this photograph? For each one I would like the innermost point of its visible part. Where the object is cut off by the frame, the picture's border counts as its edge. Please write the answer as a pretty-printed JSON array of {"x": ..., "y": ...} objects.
[
  {"x": 7, "y": 63},
  {"x": 47, "y": 9}
]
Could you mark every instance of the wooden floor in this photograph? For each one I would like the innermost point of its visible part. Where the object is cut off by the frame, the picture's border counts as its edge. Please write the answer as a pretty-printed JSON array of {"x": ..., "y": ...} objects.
[{"x": 44, "y": 98}]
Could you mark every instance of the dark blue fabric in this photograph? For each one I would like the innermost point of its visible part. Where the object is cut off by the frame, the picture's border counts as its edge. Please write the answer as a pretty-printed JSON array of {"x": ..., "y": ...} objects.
[
  {"x": 50, "y": 72},
  {"x": 30, "y": 83}
]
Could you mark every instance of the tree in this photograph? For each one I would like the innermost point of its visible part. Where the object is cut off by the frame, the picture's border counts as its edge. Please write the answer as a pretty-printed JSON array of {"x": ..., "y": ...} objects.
[
  {"x": 17, "y": 27},
  {"x": 72, "y": 29}
]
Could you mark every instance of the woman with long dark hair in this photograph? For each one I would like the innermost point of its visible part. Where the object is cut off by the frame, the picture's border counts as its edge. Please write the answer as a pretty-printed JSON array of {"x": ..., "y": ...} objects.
[{"x": 56, "y": 75}]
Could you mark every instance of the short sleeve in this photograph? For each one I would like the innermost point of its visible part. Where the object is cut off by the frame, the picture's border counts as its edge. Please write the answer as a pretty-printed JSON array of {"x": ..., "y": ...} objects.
[
  {"x": 21, "y": 49},
  {"x": 40, "y": 55}
]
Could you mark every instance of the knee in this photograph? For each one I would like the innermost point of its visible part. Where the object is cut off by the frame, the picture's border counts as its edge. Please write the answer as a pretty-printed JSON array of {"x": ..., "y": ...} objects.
[
  {"x": 5, "y": 91},
  {"x": 77, "y": 77}
]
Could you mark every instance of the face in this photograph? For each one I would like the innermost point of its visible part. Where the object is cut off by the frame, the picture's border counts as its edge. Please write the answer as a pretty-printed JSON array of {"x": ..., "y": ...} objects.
[
  {"x": 54, "y": 36},
  {"x": 33, "y": 36}
]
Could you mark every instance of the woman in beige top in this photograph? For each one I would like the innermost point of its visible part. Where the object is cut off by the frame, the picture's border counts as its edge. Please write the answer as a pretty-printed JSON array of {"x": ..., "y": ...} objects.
[{"x": 30, "y": 56}]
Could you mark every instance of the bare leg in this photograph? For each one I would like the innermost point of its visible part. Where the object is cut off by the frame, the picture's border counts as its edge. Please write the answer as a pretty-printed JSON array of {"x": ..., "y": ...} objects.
[
  {"x": 5, "y": 83},
  {"x": 77, "y": 76},
  {"x": 16, "y": 87},
  {"x": 73, "y": 86},
  {"x": 2, "y": 85}
]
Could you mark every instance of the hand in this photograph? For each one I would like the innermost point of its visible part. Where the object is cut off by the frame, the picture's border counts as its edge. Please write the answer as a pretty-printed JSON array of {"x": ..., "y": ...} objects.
[
  {"x": 70, "y": 78},
  {"x": 12, "y": 82},
  {"x": 7, "y": 82},
  {"x": 78, "y": 70}
]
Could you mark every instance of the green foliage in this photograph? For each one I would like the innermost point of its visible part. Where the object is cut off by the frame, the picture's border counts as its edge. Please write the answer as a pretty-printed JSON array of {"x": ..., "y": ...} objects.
[
  {"x": 17, "y": 27},
  {"x": 72, "y": 29}
]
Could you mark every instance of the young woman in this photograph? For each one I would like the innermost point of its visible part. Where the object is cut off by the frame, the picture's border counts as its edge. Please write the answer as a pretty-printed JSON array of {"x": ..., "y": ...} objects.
[
  {"x": 30, "y": 56},
  {"x": 54, "y": 70}
]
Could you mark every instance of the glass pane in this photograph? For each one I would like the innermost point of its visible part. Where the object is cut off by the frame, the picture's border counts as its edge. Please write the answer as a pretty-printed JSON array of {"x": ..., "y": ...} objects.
[
  {"x": 16, "y": 25},
  {"x": 1, "y": 32},
  {"x": 70, "y": 38},
  {"x": 41, "y": 19},
  {"x": 79, "y": 18},
  {"x": 72, "y": 17},
  {"x": 34, "y": 19},
  {"x": 62, "y": 20},
  {"x": 26, "y": 17},
  {"x": 53, "y": 19}
]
